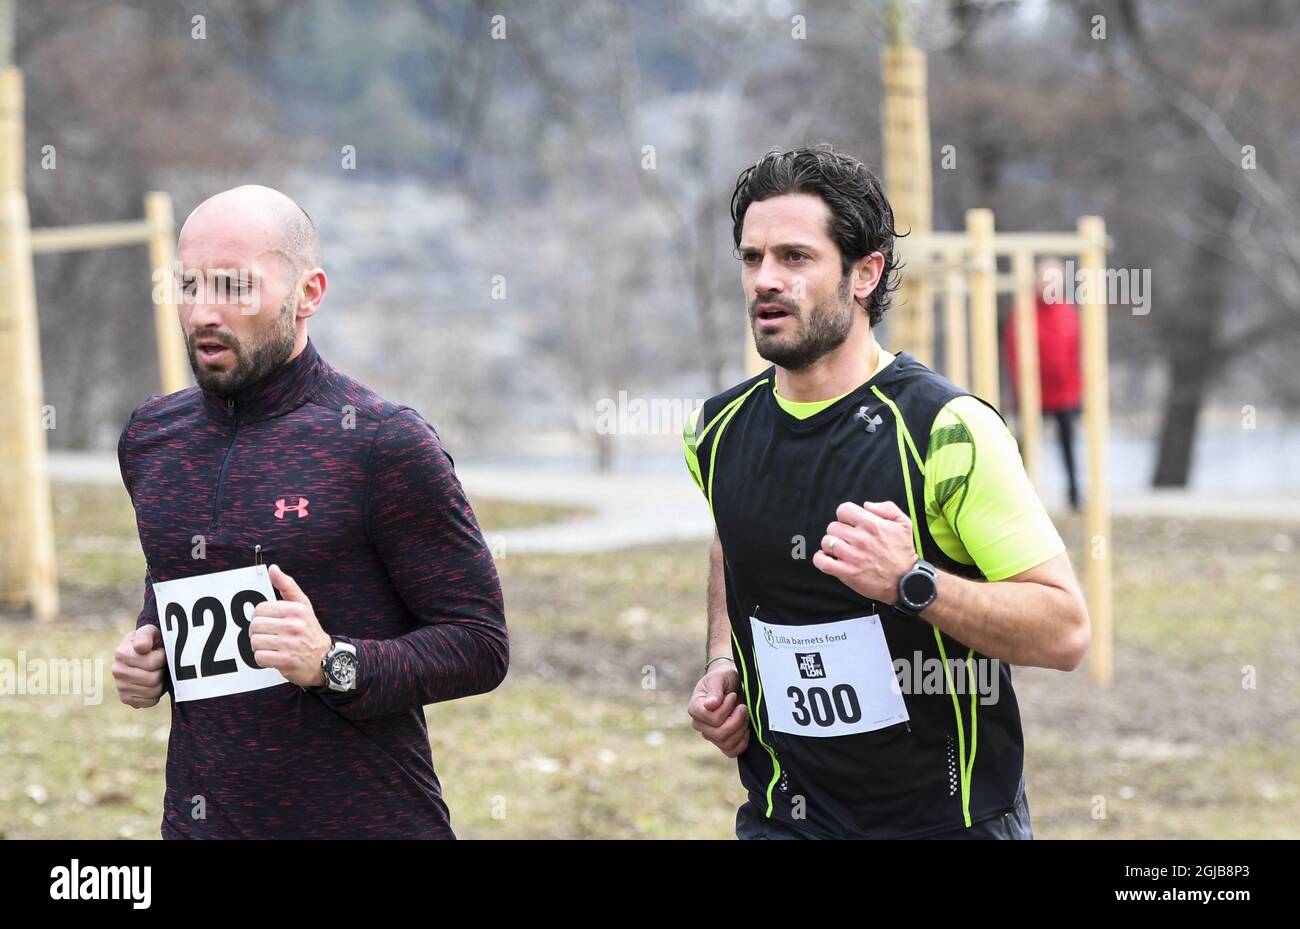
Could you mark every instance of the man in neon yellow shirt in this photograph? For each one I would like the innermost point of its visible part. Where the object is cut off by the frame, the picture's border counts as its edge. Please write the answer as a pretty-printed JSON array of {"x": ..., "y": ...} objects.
[{"x": 865, "y": 690}]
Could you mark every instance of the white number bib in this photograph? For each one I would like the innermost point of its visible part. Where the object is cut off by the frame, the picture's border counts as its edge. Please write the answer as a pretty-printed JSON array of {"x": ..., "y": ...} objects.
[
  {"x": 205, "y": 632},
  {"x": 827, "y": 678}
]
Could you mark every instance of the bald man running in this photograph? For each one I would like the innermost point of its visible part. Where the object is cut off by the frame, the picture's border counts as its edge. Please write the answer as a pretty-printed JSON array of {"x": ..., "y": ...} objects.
[{"x": 314, "y": 573}]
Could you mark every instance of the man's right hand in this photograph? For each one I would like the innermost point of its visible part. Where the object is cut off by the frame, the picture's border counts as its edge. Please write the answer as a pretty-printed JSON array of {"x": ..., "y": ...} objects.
[
  {"x": 138, "y": 667},
  {"x": 717, "y": 710}
]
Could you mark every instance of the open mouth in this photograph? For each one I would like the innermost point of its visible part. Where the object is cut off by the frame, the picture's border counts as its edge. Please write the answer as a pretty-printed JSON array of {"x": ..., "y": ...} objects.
[
  {"x": 771, "y": 314},
  {"x": 210, "y": 351}
]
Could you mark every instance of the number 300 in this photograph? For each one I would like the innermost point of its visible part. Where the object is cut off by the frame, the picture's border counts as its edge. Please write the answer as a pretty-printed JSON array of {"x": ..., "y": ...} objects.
[{"x": 823, "y": 708}]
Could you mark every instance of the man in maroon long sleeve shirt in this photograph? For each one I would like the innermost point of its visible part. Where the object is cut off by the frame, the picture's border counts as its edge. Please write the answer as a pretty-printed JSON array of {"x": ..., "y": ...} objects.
[{"x": 298, "y": 711}]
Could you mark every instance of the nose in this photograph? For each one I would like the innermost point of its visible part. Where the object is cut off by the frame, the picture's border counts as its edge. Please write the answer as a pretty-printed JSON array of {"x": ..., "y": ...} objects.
[
  {"x": 204, "y": 311},
  {"x": 768, "y": 279},
  {"x": 206, "y": 318}
]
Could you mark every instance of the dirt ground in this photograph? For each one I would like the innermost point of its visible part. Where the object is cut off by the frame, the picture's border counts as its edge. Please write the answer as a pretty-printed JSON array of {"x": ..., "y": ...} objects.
[{"x": 588, "y": 737}]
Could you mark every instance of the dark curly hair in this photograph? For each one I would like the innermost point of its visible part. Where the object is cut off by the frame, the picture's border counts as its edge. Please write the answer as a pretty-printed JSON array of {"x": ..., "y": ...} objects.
[{"x": 862, "y": 221}]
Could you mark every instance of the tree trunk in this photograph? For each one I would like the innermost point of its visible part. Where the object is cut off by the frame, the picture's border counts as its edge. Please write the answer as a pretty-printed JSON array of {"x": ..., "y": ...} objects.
[
  {"x": 1192, "y": 329},
  {"x": 1190, "y": 378},
  {"x": 604, "y": 452}
]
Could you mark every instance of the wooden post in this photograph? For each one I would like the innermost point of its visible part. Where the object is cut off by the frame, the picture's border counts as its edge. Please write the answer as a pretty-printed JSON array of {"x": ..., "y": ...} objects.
[
  {"x": 906, "y": 129},
  {"x": 28, "y": 569},
  {"x": 28, "y": 572},
  {"x": 14, "y": 563},
  {"x": 957, "y": 368},
  {"x": 1098, "y": 544},
  {"x": 11, "y": 129},
  {"x": 1028, "y": 392},
  {"x": 983, "y": 304},
  {"x": 29, "y": 539},
  {"x": 172, "y": 362}
]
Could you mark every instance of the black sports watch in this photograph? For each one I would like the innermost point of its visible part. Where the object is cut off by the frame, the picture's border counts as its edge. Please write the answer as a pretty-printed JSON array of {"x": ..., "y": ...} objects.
[
  {"x": 917, "y": 588},
  {"x": 340, "y": 667}
]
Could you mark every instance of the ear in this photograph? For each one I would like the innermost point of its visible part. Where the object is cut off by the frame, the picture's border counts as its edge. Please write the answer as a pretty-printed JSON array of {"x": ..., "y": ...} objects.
[
  {"x": 866, "y": 276},
  {"x": 313, "y": 284}
]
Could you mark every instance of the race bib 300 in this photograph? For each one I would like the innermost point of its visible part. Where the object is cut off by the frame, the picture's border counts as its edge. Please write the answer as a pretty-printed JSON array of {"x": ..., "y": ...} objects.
[{"x": 827, "y": 679}]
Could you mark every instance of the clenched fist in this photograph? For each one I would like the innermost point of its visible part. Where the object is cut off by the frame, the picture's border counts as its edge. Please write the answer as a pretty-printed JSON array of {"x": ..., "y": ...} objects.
[
  {"x": 286, "y": 635},
  {"x": 868, "y": 548},
  {"x": 717, "y": 709},
  {"x": 138, "y": 667}
]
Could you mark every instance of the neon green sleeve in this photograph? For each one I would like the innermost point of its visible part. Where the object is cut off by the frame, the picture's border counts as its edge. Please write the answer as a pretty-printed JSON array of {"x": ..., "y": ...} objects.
[
  {"x": 689, "y": 446},
  {"x": 979, "y": 504}
]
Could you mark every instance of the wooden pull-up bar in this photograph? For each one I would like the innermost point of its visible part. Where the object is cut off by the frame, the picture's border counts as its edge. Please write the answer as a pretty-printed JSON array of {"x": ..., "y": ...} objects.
[{"x": 28, "y": 568}]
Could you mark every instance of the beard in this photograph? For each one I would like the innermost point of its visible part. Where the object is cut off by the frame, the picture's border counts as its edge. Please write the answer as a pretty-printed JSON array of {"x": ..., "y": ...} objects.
[
  {"x": 819, "y": 332},
  {"x": 252, "y": 362}
]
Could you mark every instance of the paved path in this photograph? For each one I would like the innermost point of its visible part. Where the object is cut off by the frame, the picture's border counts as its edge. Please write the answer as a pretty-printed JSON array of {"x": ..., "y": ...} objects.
[{"x": 636, "y": 509}]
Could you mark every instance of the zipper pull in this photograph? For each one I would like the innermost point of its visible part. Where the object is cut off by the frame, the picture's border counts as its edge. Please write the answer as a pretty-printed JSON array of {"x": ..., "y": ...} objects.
[{"x": 230, "y": 406}]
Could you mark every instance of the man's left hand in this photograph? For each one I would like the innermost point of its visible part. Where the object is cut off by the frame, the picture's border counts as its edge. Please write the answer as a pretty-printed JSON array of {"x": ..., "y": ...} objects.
[
  {"x": 286, "y": 635},
  {"x": 868, "y": 548}
]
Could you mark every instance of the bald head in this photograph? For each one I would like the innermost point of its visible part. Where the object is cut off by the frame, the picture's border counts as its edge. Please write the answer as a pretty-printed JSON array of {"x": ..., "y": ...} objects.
[
  {"x": 251, "y": 280},
  {"x": 254, "y": 220}
]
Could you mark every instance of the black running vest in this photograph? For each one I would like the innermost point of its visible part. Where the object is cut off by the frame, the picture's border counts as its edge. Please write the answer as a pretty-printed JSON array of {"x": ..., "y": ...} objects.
[{"x": 773, "y": 480}]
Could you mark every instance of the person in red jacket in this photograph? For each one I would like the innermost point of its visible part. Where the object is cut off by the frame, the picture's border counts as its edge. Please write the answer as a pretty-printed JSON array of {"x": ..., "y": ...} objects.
[{"x": 1058, "y": 360}]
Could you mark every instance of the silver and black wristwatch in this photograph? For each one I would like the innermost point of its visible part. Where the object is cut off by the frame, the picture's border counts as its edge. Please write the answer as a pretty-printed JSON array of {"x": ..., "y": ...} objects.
[{"x": 340, "y": 666}]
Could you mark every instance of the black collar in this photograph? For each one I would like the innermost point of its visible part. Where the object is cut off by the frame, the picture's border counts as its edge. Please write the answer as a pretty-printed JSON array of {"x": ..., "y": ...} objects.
[{"x": 284, "y": 389}]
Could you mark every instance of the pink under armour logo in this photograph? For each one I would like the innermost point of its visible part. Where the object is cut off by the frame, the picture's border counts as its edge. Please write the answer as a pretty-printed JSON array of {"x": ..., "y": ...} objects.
[{"x": 300, "y": 509}]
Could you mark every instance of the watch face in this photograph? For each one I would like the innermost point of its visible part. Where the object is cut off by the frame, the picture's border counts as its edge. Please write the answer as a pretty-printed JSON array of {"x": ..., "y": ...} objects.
[
  {"x": 918, "y": 588},
  {"x": 343, "y": 669}
]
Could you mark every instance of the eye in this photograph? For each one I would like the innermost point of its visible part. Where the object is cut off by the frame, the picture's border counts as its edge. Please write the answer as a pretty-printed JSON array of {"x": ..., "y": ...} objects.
[
  {"x": 750, "y": 258},
  {"x": 795, "y": 256}
]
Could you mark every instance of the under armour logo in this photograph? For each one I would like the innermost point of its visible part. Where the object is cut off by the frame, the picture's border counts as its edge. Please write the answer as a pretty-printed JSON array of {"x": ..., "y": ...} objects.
[
  {"x": 300, "y": 509},
  {"x": 863, "y": 415}
]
